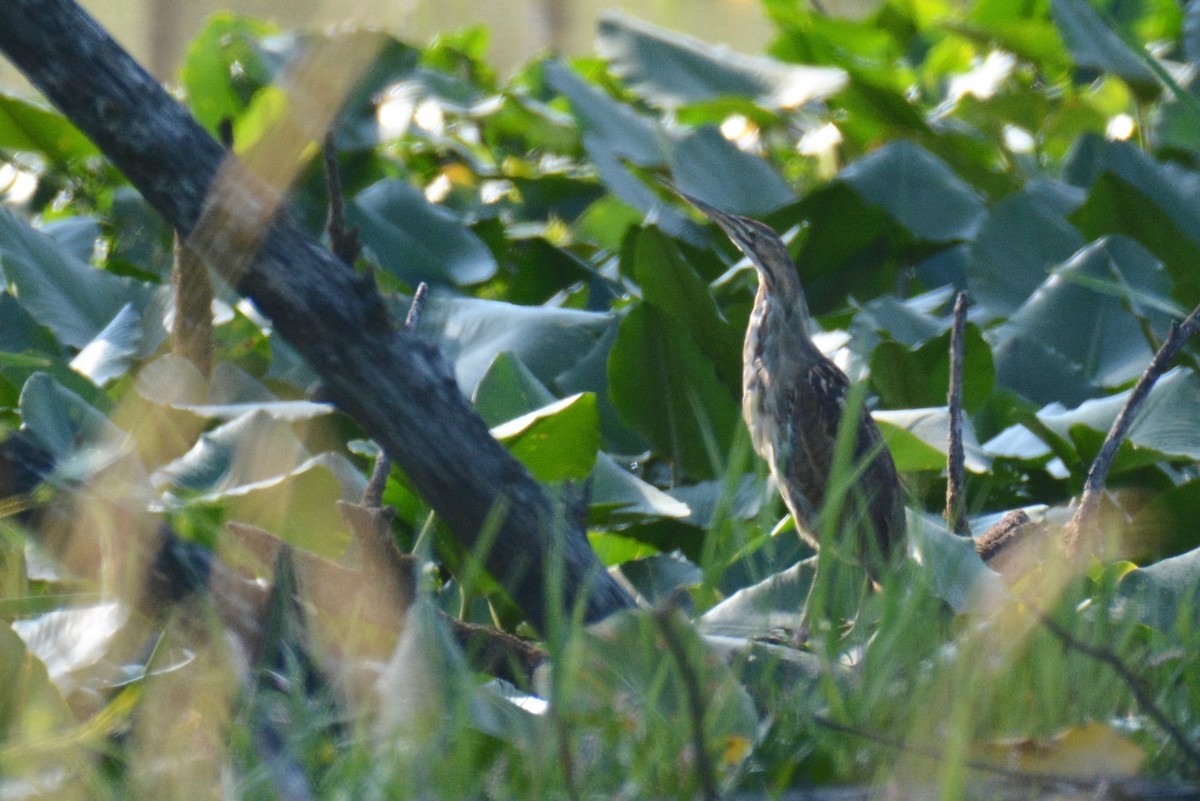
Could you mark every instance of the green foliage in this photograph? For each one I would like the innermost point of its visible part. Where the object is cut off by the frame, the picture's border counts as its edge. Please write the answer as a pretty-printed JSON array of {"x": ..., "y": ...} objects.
[{"x": 1040, "y": 155}]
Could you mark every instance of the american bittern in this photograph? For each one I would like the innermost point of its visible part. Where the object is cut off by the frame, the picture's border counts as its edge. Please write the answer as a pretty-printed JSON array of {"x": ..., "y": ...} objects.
[{"x": 794, "y": 401}]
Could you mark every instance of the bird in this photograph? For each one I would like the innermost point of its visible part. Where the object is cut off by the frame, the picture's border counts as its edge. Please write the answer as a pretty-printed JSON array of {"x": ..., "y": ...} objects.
[{"x": 794, "y": 402}]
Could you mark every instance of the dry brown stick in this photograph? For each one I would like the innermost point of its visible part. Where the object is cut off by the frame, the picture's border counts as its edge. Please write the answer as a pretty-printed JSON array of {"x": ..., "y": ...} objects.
[
  {"x": 956, "y": 496},
  {"x": 665, "y": 617},
  {"x": 1136, "y": 686},
  {"x": 1089, "y": 500},
  {"x": 496, "y": 652},
  {"x": 343, "y": 240}
]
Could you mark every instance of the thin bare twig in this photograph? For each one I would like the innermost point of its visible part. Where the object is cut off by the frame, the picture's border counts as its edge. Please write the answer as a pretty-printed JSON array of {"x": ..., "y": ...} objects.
[
  {"x": 1141, "y": 692},
  {"x": 664, "y": 617},
  {"x": 1089, "y": 501},
  {"x": 343, "y": 240},
  {"x": 956, "y": 496},
  {"x": 413, "y": 319}
]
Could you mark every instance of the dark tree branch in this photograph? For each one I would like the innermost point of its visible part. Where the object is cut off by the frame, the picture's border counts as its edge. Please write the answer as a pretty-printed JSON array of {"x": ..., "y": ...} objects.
[
  {"x": 956, "y": 497},
  {"x": 1097, "y": 475},
  {"x": 394, "y": 383}
]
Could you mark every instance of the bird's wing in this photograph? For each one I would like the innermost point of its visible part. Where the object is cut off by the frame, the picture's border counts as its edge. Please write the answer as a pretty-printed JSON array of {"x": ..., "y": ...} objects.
[{"x": 808, "y": 406}]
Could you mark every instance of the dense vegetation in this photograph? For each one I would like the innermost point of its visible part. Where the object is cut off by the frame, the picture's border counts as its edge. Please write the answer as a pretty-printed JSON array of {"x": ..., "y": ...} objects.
[{"x": 1042, "y": 156}]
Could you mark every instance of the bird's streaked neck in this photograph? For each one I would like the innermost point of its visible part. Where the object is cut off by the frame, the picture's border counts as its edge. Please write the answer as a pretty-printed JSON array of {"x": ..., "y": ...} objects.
[{"x": 779, "y": 288}]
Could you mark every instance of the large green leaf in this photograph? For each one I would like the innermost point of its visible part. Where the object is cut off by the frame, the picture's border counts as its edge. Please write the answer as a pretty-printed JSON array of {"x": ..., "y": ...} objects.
[
  {"x": 61, "y": 419},
  {"x": 557, "y": 442},
  {"x": 1166, "y": 594},
  {"x": 140, "y": 237},
  {"x": 1131, "y": 193},
  {"x": 664, "y": 386},
  {"x": 66, "y": 295},
  {"x": 706, "y": 165},
  {"x": 1078, "y": 313},
  {"x": 547, "y": 340},
  {"x": 615, "y": 127},
  {"x": 670, "y": 69},
  {"x": 670, "y": 285},
  {"x": 614, "y": 133},
  {"x": 917, "y": 190},
  {"x": 31, "y": 128},
  {"x": 1167, "y": 423},
  {"x": 774, "y": 607},
  {"x": 909, "y": 378},
  {"x": 954, "y": 570},
  {"x": 224, "y": 67},
  {"x": 1095, "y": 45},
  {"x": 509, "y": 389},
  {"x": 837, "y": 259},
  {"x": 20, "y": 332},
  {"x": 417, "y": 240},
  {"x": 918, "y": 439},
  {"x": 1019, "y": 241},
  {"x": 618, "y": 496},
  {"x": 658, "y": 576},
  {"x": 110, "y": 354},
  {"x": 912, "y": 322}
]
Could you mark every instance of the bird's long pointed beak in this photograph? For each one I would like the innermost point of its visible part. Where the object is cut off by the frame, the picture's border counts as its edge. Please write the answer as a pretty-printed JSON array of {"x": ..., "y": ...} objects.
[{"x": 726, "y": 221}]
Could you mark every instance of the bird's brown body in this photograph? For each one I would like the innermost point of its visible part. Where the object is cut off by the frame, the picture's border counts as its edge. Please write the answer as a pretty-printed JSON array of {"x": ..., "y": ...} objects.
[{"x": 795, "y": 401}]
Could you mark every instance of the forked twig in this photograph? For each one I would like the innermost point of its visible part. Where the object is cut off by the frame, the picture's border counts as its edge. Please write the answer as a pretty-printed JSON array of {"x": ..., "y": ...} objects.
[
  {"x": 1093, "y": 486},
  {"x": 956, "y": 497}
]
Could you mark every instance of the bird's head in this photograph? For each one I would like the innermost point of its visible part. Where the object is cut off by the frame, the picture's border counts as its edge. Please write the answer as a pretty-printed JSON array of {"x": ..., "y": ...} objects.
[{"x": 757, "y": 241}]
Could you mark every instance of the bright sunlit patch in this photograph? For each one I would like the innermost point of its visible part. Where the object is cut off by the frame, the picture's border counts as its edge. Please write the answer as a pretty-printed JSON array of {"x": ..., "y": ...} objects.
[
  {"x": 1017, "y": 139},
  {"x": 494, "y": 191},
  {"x": 430, "y": 117},
  {"x": 819, "y": 141},
  {"x": 740, "y": 130},
  {"x": 1120, "y": 127},
  {"x": 985, "y": 78},
  {"x": 438, "y": 189},
  {"x": 16, "y": 186},
  {"x": 822, "y": 144},
  {"x": 395, "y": 111}
]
